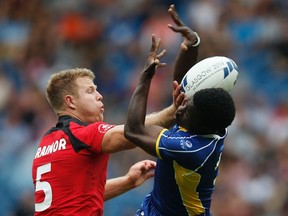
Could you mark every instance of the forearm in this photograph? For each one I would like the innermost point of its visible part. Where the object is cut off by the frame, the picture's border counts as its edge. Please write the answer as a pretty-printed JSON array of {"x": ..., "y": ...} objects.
[
  {"x": 164, "y": 118},
  {"x": 137, "y": 107},
  {"x": 117, "y": 186},
  {"x": 186, "y": 58},
  {"x": 184, "y": 61},
  {"x": 136, "y": 176}
]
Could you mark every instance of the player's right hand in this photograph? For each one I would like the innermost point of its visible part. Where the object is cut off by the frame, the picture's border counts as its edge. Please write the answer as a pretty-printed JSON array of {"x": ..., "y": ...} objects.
[{"x": 153, "y": 59}]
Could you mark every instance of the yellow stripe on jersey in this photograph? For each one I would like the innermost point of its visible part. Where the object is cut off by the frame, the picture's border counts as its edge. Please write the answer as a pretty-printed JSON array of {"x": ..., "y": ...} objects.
[
  {"x": 157, "y": 143},
  {"x": 187, "y": 181},
  {"x": 183, "y": 129}
]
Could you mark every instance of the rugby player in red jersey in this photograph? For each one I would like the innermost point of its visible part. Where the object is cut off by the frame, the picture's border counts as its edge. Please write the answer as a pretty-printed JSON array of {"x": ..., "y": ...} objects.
[{"x": 70, "y": 165}]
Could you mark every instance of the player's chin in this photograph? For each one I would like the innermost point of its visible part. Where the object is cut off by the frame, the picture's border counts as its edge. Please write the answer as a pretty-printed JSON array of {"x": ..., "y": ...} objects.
[
  {"x": 101, "y": 117},
  {"x": 96, "y": 118}
]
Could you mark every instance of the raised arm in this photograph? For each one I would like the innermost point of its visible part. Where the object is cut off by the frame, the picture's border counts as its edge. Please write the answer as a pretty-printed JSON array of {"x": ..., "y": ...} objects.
[
  {"x": 186, "y": 58},
  {"x": 188, "y": 53},
  {"x": 114, "y": 140},
  {"x": 135, "y": 130}
]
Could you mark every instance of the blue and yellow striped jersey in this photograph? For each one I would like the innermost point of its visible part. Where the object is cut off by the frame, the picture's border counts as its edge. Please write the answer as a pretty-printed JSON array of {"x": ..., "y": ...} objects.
[{"x": 187, "y": 167}]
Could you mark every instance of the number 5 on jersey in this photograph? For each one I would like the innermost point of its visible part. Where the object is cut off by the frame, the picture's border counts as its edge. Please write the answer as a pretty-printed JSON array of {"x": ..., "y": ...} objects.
[{"x": 43, "y": 186}]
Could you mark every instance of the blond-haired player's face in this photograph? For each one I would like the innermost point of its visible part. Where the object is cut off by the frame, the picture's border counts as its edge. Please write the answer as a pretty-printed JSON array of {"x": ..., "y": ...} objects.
[{"x": 89, "y": 106}]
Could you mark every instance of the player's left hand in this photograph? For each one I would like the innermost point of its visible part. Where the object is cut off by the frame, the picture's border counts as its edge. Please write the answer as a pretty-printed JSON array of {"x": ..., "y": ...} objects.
[
  {"x": 140, "y": 172},
  {"x": 178, "y": 96},
  {"x": 190, "y": 38}
]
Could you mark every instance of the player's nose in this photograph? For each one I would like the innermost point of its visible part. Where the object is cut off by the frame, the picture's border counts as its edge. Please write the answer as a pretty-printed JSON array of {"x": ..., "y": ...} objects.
[{"x": 99, "y": 97}]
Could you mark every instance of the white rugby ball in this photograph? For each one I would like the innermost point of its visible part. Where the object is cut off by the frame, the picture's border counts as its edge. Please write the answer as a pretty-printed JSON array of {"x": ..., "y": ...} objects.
[{"x": 212, "y": 72}]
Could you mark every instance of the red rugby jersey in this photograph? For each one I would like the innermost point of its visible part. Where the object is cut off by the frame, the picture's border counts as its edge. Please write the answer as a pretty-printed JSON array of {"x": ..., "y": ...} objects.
[{"x": 69, "y": 170}]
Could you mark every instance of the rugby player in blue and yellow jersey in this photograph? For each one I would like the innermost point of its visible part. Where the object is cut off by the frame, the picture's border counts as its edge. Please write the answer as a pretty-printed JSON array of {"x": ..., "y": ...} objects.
[{"x": 188, "y": 154}]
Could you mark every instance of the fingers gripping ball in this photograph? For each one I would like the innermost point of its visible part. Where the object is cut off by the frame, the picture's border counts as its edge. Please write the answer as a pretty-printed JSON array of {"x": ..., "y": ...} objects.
[{"x": 212, "y": 72}]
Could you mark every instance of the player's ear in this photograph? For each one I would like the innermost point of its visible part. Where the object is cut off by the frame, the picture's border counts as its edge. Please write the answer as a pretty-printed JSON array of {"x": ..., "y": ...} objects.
[{"x": 69, "y": 101}]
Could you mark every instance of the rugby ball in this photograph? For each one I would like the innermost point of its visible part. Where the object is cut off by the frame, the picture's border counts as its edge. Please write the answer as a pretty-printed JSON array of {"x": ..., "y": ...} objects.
[{"x": 212, "y": 72}]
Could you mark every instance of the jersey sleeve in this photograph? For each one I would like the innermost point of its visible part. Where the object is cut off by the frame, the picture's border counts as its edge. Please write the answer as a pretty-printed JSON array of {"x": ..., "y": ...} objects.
[{"x": 92, "y": 134}]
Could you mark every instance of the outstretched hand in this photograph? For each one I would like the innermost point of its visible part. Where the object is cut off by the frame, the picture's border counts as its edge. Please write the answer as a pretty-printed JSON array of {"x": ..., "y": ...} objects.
[
  {"x": 190, "y": 38},
  {"x": 137, "y": 175},
  {"x": 153, "y": 58},
  {"x": 140, "y": 172}
]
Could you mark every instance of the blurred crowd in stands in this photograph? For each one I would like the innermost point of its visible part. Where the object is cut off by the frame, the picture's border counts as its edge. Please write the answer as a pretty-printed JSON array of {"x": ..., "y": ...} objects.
[{"x": 112, "y": 38}]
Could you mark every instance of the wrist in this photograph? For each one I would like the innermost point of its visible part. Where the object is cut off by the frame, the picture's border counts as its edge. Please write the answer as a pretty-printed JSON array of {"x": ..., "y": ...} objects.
[
  {"x": 171, "y": 109},
  {"x": 190, "y": 43},
  {"x": 197, "y": 41},
  {"x": 130, "y": 182}
]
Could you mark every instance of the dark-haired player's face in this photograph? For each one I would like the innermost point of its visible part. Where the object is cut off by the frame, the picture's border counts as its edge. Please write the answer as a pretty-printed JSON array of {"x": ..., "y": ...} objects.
[{"x": 186, "y": 116}]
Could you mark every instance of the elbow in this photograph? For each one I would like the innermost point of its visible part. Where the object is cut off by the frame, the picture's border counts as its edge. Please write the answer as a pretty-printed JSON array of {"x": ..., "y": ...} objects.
[
  {"x": 132, "y": 133},
  {"x": 128, "y": 132}
]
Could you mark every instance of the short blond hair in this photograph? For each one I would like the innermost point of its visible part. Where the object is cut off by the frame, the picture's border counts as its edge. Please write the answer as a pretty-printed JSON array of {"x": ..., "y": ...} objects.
[{"x": 63, "y": 83}]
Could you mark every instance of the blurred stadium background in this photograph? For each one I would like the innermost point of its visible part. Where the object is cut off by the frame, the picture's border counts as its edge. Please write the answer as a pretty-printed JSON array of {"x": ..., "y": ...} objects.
[{"x": 112, "y": 37}]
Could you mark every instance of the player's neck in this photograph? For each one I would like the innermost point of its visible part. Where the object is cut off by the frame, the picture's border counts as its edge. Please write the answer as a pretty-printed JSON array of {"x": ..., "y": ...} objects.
[{"x": 73, "y": 115}]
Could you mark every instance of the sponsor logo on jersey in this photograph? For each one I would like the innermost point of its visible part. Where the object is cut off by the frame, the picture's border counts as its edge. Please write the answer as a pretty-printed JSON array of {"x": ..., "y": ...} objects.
[
  {"x": 182, "y": 144},
  {"x": 103, "y": 128},
  {"x": 188, "y": 144},
  {"x": 185, "y": 144}
]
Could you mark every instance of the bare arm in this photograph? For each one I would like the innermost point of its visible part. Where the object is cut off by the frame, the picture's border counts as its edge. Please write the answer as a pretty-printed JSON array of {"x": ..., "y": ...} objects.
[
  {"x": 135, "y": 177},
  {"x": 188, "y": 53},
  {"x": 135, "y": 130},
  {"x": 114, "y": 139},
  {"x": 165, "y": 118},
  {"x": 186, "y": 58}
]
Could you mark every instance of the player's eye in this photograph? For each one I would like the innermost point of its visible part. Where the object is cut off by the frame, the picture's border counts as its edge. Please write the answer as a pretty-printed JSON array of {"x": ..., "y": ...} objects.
[{"x": 90, "y": 90}]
